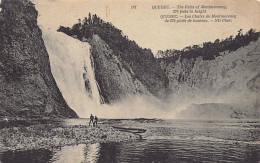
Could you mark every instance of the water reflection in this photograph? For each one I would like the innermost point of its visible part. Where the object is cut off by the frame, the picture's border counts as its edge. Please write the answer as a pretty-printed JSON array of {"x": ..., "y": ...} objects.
[
  {"x": 78, "y": 153},
  {"x": 40, "y": 155},
  {"x": 92, "y": 152},
  {"x": 171, "y": 141},
  {"x": 141, "y": 151},
  {"x": 70, "y": 154}
]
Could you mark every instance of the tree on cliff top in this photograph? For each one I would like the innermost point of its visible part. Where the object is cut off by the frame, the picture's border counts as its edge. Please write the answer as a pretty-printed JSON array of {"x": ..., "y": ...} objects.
[
  {"x": 145, "y": 66},
  {"x": 210, "y": 50}
]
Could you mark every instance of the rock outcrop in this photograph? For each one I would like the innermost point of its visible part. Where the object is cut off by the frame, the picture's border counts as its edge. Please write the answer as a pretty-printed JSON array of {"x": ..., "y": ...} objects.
[
  {"x": 122, "y": 67},
  {"x": 27, "y": 87},
  {"x": 232, "y": 78},
  {"x": 116, "y": 79},
  {"x": 227, "y": 72}
]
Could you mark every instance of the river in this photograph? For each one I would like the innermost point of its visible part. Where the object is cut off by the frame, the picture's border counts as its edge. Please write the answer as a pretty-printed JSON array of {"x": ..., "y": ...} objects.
[{"x": 164, "y": 141}]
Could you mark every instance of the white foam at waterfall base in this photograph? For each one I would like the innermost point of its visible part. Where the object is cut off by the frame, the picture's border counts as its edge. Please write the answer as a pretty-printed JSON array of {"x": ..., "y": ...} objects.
[{"x": 68, "y": 57}]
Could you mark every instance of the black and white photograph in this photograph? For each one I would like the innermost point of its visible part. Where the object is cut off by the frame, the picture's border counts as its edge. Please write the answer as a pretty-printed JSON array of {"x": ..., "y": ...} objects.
[{"x": 129, "y": 81}]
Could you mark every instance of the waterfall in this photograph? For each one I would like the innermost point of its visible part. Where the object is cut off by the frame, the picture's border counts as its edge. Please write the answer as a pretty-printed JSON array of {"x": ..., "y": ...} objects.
[
  {"x": 90, "y": 74},
  {"x": 97, "y": 88},
  {"x": 73, "y": 71}
]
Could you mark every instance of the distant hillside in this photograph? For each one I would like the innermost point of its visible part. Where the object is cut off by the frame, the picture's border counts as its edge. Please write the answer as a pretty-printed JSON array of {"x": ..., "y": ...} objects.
[
  {"x": 231, "y": 78},
  {"x": 210, "y": 50}
]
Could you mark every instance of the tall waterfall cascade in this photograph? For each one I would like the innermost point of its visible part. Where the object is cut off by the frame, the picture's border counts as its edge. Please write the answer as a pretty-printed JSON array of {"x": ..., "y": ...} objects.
[{"x": 73, "y": 71}]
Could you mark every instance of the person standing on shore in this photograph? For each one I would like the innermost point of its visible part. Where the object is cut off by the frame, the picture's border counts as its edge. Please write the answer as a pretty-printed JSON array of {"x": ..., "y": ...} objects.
[
  {"x": 91, "y": 118},
  {"x": 95, "y": 121}
]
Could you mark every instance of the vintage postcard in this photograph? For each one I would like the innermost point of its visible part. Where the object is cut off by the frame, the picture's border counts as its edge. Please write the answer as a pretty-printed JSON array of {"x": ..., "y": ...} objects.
[{"x": 138, "y": 81}]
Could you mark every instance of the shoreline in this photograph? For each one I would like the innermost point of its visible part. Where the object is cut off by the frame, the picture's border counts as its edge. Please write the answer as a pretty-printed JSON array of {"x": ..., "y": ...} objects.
[{"x": 50, "y": 136}]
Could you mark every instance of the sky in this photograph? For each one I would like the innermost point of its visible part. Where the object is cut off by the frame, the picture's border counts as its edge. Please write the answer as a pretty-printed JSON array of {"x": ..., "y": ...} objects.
[{"x": 144, "y": 24}]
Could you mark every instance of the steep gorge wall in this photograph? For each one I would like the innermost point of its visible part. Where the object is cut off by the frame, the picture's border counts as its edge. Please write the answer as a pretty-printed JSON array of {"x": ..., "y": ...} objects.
[
  {"x": 27, "y": 87},
  {"x": 122, "y": 67},
  {"x": 116, "y": 79},
  {"x": 232, "y": 78},
  {"x": 204, "y": 75}
]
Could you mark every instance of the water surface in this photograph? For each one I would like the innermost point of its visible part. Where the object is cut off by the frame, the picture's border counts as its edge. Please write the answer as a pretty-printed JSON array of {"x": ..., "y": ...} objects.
[{"x": 164, "y": 141}]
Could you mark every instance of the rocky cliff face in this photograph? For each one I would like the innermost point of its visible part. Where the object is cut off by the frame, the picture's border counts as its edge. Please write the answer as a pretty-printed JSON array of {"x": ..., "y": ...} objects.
[
  {"x": 232, "y": 78},
  {"x": 27, "y": 87},
  {"x": 116, "y": 79},
  {"x": 204, "y": 75},
  {"x": 122, "y": 67}
]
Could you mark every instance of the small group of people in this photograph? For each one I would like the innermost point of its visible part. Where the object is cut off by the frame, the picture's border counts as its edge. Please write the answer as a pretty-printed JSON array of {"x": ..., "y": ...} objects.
[{"x": 93, "y": 119}]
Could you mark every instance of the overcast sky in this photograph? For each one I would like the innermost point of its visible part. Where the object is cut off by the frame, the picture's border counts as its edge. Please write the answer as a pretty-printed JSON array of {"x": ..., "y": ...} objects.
[{"x": 144, "y": 25}]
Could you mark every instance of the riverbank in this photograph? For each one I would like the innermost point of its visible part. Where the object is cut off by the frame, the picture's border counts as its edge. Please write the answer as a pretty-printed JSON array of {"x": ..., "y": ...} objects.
[{"x": 49, "y": 136}]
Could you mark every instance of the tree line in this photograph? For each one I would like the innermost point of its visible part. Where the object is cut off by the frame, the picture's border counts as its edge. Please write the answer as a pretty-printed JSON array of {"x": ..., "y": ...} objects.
[
  {"x": 145, "y": 66},
  {"x": 141, "y": 60},
  {"x": 210, "y": 50}
]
